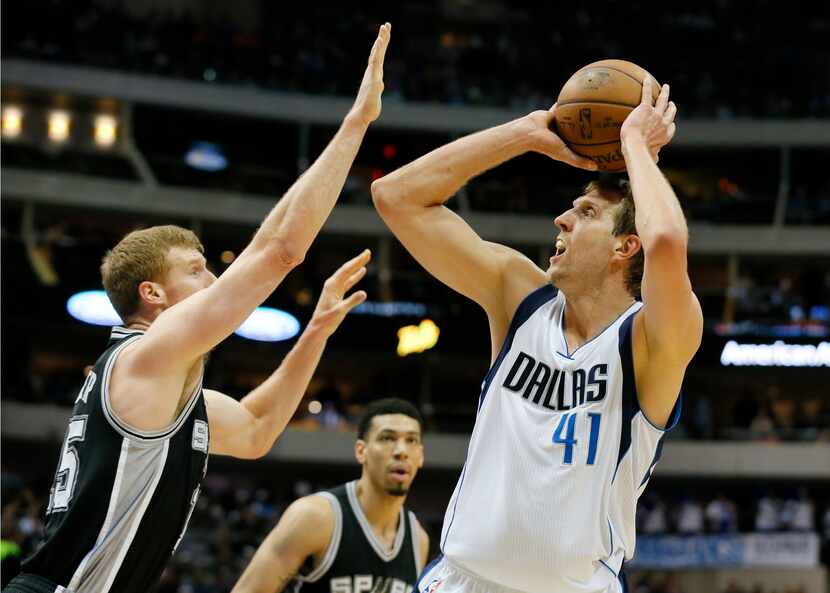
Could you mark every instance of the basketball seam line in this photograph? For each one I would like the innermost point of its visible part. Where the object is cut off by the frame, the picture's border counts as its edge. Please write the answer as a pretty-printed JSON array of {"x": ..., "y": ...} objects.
[
  {"x": 617, "y": 103},
  {"x": 597, "y": 144}
]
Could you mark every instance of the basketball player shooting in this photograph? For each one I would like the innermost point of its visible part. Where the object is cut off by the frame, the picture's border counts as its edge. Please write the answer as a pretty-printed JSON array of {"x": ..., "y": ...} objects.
[
  {"x": 585, "y": 376},
  {"x": 136, "y": 448}
]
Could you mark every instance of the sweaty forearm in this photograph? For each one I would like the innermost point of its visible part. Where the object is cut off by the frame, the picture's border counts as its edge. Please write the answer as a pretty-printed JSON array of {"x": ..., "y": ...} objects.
[
  {"x": 296, "y": 220},
  {"x": 659, "y": 217},
  {"x": 274, "y": 402},
  {"x": 432, "y": 179}
]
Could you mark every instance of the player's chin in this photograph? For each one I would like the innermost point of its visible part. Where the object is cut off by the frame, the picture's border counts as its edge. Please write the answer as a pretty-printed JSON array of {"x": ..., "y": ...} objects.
[{"x": 397, "y": 489}]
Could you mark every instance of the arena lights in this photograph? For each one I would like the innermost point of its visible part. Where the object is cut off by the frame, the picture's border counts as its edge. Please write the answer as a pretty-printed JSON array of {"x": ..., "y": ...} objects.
[
  {"x": 269, "y": 325},
  {"x": 417, "y": 338},
  {"x": 58, "y": 126},
  {"x": 12, "y": 121},
  {"x": 264, "y": 324},
  {"x": 106, "y": 129},
  {"x": 93, "y": 306},
  {"x": 779, "y": 354},
  {"x": 206, "y": 156},
  {"x": 391, "y": 309}
]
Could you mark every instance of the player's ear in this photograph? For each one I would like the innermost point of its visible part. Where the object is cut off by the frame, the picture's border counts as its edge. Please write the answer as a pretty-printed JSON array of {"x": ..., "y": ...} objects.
[
  {"x": 360, "y": 451},
  {"x": 151, "y": 293},
  {"x": 627, "y": 246}
]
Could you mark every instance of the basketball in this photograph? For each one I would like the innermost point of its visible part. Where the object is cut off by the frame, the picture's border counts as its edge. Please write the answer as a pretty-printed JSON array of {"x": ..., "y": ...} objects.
[{"x": 592, "y": 106}]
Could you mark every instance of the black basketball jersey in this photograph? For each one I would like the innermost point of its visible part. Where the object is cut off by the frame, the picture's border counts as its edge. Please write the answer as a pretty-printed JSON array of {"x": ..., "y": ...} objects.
[
  {"x": 356, "y": 561},
  {"x": 121, "y": 498}
]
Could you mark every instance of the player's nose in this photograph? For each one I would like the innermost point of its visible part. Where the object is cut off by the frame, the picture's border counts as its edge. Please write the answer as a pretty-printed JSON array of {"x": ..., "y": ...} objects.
[{"x": 563, "y": 221}]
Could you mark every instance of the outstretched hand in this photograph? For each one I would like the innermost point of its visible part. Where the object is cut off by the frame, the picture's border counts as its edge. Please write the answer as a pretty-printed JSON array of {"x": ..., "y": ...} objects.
[
  {"x": 367, "y": 104},
  {"x": 547, "y": 142},
  {"x": 653, "y": 124},
  {"x": 333, "y": 305}
]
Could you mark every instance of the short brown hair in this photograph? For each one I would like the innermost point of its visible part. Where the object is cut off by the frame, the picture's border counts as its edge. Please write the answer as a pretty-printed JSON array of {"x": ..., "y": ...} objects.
[
  {"x": 139, "y": 256},
  {"x": 624, "y": 224}
]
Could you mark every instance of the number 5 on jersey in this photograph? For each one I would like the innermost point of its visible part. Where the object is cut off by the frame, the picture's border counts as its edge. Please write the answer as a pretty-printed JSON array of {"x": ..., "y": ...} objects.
[{"x": 567, "y": 425}]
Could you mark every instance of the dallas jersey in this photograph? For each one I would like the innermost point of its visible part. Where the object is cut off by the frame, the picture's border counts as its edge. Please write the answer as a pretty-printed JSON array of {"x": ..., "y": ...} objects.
[
  {"x": 356, "y": 561},
  {"x": 121, "y": 498},
  {"x": 558, "y": 457}
]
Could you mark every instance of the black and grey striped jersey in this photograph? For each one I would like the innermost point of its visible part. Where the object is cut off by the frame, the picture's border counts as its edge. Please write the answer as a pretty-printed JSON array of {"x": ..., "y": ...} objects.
[
  {"x": 121, "y": 498},
  {"x": 356, "y": 560}
]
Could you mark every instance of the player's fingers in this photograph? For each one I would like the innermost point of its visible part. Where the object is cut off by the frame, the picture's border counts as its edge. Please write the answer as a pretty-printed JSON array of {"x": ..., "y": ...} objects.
[
  {"x": 353, "y": 301},
  {"x": 350, "y": 267},
  {"x": 671, "y": 111},
  {"x": 662, "y": 99},
  {"x": 579, "y": 161},
  {"x": 353, "y": 279},
  {"x": 384, "y": 35},
  {"x": 671, "y": 131},
  {"x": 646, "y": 97}
]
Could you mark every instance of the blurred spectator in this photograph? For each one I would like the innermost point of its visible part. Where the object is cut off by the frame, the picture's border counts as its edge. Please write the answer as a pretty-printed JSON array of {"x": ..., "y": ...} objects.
[
  {"x": 768, "y": 516},
  {"x": 654, "y": 520},
  {"x": 798, "y": 514},
  {"x": 690, "y": 517},
  {"x": 721, "y": 515},
  {"x": 762, "y": 427}
]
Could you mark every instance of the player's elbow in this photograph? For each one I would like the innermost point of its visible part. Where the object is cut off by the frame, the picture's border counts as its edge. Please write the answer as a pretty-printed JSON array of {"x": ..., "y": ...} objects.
[
  {"x": 285, "y": 253},
  {"x": 383, "y": 196},
  {"x": 669, "y": 242}
]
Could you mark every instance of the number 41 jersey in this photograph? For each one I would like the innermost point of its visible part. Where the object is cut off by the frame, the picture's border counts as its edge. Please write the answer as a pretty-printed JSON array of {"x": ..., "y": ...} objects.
[
  {"x": 558, "y": 456},
  {"x": 121, "y": 498}
]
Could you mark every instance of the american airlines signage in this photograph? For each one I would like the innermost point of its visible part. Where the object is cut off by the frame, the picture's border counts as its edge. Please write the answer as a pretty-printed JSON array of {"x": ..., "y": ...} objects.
[{"x": 778, "y": 354}]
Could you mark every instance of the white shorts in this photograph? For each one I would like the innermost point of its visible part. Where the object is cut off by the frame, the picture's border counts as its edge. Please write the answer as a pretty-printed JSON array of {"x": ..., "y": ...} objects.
[{"x": 442, "y": 575}]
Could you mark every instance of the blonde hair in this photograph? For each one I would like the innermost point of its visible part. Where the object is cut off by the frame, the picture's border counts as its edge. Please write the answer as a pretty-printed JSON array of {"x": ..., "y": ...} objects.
[{"x": 139, "y": 256}]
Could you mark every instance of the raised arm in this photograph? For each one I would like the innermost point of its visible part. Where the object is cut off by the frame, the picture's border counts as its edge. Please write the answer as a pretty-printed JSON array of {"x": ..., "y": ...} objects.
[
  {"x": 248, "y": 428},
  {"x": 671, "y": 323},
  {"x": 159, "y": 362},
  {"x": 304, "y": 531},
  {"x": 411, "y": 202}
]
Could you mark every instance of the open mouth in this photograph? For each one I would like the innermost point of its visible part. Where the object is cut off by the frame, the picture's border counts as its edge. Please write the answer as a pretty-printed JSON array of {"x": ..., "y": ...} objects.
[
  {"x": 399, "y": 474},
  {"x": 561, "y": 248}
]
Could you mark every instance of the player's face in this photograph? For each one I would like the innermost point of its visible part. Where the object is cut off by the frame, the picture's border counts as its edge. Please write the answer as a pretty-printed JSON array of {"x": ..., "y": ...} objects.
[
  {"x": 392, "y": 452},
  {"x": 585, "y": 244},
  {"x": 187, "y": 274}
]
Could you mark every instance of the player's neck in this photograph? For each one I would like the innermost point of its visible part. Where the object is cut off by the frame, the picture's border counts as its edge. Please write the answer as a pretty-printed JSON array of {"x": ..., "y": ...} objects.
[
  {"x": 381, "y": 509},
  {"x": 588, "y": 313}
]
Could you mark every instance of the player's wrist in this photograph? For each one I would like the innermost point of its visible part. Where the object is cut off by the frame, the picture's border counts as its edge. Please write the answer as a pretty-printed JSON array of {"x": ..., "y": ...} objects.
[
  {"x": 529, "y": 130},
  {"x": 632, "y": 139},
  {"x": 355, "y": 119}
]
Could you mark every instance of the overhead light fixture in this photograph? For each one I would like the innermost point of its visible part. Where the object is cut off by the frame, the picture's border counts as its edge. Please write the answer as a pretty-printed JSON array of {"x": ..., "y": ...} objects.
[
  {"x": 58, "y": 125},
  {"x": 206, "y": 156},
  {"x": 417, "y": 338},
  {"x": 12, "y": 121},
  {"x": 266, "y": 324},
  {"x": 106, "y": 130},
  {"x": 93, "y": 306}
]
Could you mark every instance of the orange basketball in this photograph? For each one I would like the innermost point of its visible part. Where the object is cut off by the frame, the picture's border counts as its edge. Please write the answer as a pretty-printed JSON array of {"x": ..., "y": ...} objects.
[{"x": 592, "y": 106}]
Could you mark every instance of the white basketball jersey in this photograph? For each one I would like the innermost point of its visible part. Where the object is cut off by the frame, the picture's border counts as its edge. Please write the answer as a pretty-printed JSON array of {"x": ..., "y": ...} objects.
[{"x": 558, "y": 456}]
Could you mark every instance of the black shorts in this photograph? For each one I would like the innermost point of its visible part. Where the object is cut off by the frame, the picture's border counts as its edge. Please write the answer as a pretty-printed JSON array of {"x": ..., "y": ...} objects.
[{"x": 31, "y": 583}]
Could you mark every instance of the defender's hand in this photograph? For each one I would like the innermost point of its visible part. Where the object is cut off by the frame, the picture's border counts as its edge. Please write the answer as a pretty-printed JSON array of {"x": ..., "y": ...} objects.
[
  {"x": 367, "y": 105},
  {"x": 544, "y": 140},
  {"x": 333, "y": 305},
  {"x": 652, "y": 124}
]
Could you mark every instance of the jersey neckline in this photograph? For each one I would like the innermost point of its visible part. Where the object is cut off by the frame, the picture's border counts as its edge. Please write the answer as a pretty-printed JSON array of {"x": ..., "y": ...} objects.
[
  {"x": 377, "y": 545},
  {"x": 567, "y": 354}
]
